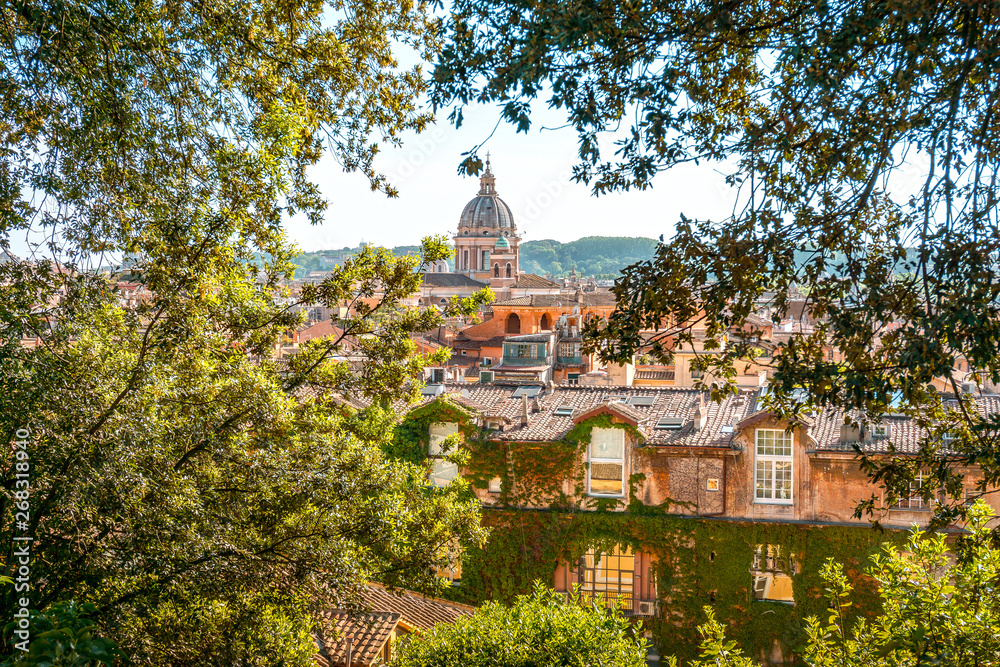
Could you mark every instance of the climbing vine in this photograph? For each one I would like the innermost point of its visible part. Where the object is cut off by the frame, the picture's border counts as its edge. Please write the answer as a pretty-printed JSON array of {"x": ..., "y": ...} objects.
[
  {"x": 412, "y": 436},
  {"x": 537, "y": 474},
  {"x": 697, "y": 562}
]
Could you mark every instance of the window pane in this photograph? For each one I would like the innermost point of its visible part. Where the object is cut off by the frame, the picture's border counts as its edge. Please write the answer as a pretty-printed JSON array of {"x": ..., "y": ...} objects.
[
  {"x": 773, "y": 443},
  {"x": 443, "y": 472},
  {"x": 765, "y": 479},
  {"x": 440, "y": 431},
  {"x": 783, "y": 480},
  {"x": 612, "y": 485},
  {"x": 607, "y": 443},
  {"x": 783, "y": 444}
]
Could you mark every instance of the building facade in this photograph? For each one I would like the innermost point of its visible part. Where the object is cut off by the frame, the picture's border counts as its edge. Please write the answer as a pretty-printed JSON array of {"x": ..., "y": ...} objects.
[{"x": 659, "y": 502}]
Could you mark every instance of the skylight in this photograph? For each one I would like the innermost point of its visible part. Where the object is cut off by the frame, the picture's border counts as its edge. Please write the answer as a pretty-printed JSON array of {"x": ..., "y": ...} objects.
[
  {"x": 563, "y": 411},
  {"x": 670, "y": 423},
  {"x": 642, "y": 401},
  {"x": 529, "y": 391}
]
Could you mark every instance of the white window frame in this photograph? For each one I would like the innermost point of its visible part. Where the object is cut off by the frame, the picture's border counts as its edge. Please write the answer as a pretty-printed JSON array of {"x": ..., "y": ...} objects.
[
  {"x": 771, "y": 461},
  {"x": 766, "y": 567},
  {"x": 441, "y": 468},
  {"x": 914, "y": 502},
  {"x": 881, "y": 431},
  {"x": 619, "y": 434},
  {"x": 522, "y": 351}
]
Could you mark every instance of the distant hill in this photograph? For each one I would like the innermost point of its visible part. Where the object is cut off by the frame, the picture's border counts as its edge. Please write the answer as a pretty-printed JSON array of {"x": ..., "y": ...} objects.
[
  {"x": 600, "y": 256},
  {"x": 324, "y": 260}
]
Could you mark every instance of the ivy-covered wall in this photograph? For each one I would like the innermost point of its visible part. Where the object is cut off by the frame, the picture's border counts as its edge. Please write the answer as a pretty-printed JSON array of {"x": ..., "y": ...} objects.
[
  {"x": 543, "y": 517},
  {"x": 697, "y": 562}
]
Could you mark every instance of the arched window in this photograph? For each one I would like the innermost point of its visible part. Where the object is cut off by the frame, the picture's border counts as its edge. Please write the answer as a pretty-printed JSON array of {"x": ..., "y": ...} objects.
[
  {"x": 513, "y": 324},
  {"x": 444, "y": 300},
  {"x": 546, "y": 323},
  {"x": 508, "y": 269},
  {"x": 496, "y": 270}
]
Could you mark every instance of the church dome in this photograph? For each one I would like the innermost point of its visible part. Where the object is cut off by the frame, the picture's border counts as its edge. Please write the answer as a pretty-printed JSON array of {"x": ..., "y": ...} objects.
[
  {"x": 502, "y": 243},
  {"x": 487, "y": 211}
]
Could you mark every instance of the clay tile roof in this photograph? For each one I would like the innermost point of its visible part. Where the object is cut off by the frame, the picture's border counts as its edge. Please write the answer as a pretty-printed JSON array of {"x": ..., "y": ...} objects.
[
  {"x": 319, "y": 330},
  {"x": 721, "y": 420},
  {"x": 369, "y": 631},
  {"x": 545, "y": 426},
  {"x": 559, "y": 300},
  {"x": 533, "y": 280},
  {"x": 451, "y": 280},
  {"x": 495, "y": 341},
  {"x": 416, "y": 611},
  {"x": 521, "y": 301}
]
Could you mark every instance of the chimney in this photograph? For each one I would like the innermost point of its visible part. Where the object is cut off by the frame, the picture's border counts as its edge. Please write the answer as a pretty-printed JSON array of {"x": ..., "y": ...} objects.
[
  {"x": 524, "y": 410},
  {"x": 699, "y": 413},
  {"x": 850, "y": 433}
]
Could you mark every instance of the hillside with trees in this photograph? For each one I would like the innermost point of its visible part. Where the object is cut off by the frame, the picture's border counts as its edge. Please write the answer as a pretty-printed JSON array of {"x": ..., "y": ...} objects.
[{"x": 598, "y": 256}]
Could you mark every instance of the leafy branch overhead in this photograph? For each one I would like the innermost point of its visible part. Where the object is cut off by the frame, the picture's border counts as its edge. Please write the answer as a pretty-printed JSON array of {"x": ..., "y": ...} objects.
[
  {"x": 862, "y": 141},
  {"x": 206, "y": 501}
]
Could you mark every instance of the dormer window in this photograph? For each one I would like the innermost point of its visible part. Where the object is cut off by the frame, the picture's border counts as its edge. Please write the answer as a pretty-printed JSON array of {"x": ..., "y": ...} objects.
[
  {"x": 606, "y": 475},
  {"x": 773, "y": 466},
  {"x": 442, "y": 470}
]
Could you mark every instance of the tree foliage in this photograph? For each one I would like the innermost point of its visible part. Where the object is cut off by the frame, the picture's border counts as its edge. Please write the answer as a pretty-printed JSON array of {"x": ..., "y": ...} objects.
[
  {"x": 537, "y": 630},
  {"x": 940, "y": 607},
  {"x": 864, "y": 137},
  {"x": 207, "y": 500}
]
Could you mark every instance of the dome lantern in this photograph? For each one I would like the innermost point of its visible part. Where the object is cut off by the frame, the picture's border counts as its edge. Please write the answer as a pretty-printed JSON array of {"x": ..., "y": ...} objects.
[{"x": 487, "y": 209}]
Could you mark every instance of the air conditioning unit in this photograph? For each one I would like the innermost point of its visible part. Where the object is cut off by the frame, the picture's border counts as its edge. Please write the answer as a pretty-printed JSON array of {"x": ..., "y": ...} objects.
[
  {"x": 485, "y": 377},
  {"x": 645, "y": 608}
]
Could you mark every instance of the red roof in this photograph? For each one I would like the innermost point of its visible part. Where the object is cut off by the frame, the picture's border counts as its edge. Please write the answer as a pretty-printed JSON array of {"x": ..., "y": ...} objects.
[
  {"x": 366, "y": 633},
  {"x": 416, "y": 610}
]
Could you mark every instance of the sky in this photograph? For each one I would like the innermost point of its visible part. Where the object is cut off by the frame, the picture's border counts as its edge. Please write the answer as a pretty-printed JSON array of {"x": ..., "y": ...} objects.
[{"x": 532, "y": 176}]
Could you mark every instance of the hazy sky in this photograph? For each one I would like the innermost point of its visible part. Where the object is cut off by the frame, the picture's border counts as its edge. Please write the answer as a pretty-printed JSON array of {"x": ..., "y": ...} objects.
[{"x": 532, "y": 176}]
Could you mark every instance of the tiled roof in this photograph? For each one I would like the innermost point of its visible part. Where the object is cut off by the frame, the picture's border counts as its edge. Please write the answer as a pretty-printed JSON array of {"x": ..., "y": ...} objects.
[
  {"x": 320, "y": 330},
  {"x": 369, "y": 632},
  {"x": 510, "y": 368},
  {"x": 676, "y": 403},
  {"x": 451, "y": 280},
  {"x": 465, "y": 344},
  {"x": 416, "y": 610},
  {"x": 496, "y": 341},
  {"x": 534, "y": 281},
  {"x": 545, "y": 426},
  {"x": 559, "y": 300}
]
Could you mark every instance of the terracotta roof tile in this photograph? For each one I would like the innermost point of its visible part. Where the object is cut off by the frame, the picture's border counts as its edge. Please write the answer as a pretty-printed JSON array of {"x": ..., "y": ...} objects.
[
  {"x": 721, "y": 420},
  {"x": 416, "y": 610},
  {"x": 556, "y": 300},
  {"x": 369, "y": 632},
  {"x": 534, "y": 281}
]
